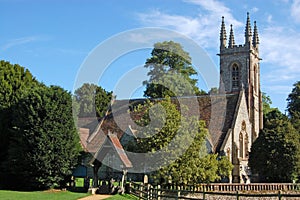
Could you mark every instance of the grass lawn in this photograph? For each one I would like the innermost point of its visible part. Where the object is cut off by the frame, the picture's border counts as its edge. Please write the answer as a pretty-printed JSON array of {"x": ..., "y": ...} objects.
[
  {"x": 122, "y": 197},
  {"x": 43, "y": 195}
]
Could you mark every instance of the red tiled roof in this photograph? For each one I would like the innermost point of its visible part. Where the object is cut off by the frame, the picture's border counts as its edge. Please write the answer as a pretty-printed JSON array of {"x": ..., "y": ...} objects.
[
  {"x": 103, "y": 143},
  {"x": 120, "y": 151},
  {"x": 216, "y": 110},
  {"x": 84, "y": 134}
]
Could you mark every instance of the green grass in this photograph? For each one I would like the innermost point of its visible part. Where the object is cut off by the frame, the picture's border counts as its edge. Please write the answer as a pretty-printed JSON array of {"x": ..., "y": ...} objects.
[
  {"x": 43, "y": 195},
  {"x": 122, "y": 197}
]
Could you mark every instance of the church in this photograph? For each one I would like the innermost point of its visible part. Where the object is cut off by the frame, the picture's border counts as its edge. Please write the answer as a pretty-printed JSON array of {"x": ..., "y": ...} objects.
[{"x": 233, "y": 116}]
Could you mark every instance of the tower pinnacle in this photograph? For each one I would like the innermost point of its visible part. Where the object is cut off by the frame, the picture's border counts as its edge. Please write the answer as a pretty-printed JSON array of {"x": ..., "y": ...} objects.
[
  {"x": 255, "y": 36},
  {"x": 223, "y": 34},
  {"x": 231, "y": 38},
  {"x": 248, "y": 32}
]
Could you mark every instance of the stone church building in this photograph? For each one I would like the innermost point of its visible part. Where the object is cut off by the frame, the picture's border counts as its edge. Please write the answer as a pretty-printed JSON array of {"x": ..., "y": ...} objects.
[
  {"x": 233, "y": 116},
  {"x": 240, "y": 75}
]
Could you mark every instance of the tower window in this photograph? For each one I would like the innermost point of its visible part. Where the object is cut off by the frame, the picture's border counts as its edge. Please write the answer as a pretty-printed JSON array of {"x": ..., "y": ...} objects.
[{"x": 235, "y": 76}]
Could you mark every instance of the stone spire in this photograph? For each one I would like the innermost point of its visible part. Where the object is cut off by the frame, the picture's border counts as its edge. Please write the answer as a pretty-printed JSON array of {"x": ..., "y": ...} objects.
[
  {"x": 248, "y": 32},
  {"x": 231, "y": 38},
  {"x": 255, "y": 36},
  {"x": 223, "y": 34}
]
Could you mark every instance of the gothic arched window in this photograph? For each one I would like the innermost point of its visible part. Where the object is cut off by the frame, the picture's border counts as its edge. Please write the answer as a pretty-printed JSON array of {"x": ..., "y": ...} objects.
[
  {"x": 241, "y": 145},
  {"x": 244, "y": 126},
  {"x": 247, "y": 145},
  {"x": 228, "y": 152},
  {"x": 235, "y": 76}
]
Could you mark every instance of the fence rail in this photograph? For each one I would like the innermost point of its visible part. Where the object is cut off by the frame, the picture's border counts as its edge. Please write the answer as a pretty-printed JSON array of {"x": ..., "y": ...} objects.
[{"x": 207, "y": 191}]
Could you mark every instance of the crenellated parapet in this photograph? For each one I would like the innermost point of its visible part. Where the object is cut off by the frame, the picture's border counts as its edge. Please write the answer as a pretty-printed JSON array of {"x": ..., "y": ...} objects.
[{"x": 251, "y": 40}]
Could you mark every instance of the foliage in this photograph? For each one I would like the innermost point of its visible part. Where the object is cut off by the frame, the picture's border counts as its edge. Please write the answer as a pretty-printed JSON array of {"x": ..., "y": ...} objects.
[
  {"x": 213, "y": 91},
  {"x": 44, "y": 195},
  {"x": 185, "y": 159},
  {"x": 294, "y": 105},
  {"x": 170, "y": 72},
  {"x": 267, "y": 102},
  {"x": 92, "y": 100},
  {"x": 275, "y": 153},
  {"x": 44, "y": 146},
  {"x": 294, "y": 100},
  {"x": 14, "y": 81}
]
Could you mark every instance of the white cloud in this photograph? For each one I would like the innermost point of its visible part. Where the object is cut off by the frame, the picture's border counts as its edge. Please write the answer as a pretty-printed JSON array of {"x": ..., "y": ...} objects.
[
  {"x": 216, "y": 9},
  {"x": 254, "y": 10},
  {"x": 185, "y": 25},
  {"x": 295, "y": 10},
  {"x": 20, "y": 41},
  {"x": 280, "y": 52},
  {"x": 203, "y": 28}
]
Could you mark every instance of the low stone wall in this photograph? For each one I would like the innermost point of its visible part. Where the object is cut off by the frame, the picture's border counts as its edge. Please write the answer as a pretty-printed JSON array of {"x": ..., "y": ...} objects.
[
  {"x": 262, "y": 195},
  {"x": 218, "y": 192}
]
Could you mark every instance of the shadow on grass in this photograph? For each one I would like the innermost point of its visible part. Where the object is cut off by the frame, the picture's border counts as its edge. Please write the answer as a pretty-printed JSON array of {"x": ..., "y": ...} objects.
[{"x": 78, "y": 189}]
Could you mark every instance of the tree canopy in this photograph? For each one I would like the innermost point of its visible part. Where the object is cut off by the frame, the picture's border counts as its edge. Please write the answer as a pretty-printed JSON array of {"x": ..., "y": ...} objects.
[
  {"x": 92, "y": 100},
  {"x": 294, "y": 100},
  {"x": 170, "y": 72},
  {"x": 293, "y": 106},
  {"x": 39, "y": 143},
  {"x": 14, "y": 81},
  {"x": 185, "y": 159},
  {"x": 275, "y": 154},
  {"x": 44, "y": 145}
]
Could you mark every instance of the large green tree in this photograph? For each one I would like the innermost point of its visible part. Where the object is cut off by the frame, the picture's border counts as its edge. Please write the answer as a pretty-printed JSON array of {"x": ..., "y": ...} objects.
[
  {"x": 294, "y": 105},
  {"x": 170, "y": 72},
  {"x": 294, "y": 100},
  {"x": 182, "y": 139},
  {"x": 14, "y": 81},
  {"x": 92, "y": 100},
  {"x": 44, "y": 146},
  {"x": 275, "y": 153}
]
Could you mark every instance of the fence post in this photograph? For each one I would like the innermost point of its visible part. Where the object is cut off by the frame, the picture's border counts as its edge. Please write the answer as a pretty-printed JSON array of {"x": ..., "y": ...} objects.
[
  {"x": 178, "y": 193},
  {"x": 279, "y": 195},
  {"x": 141, "y": 191},
  {"x": 237, "y": 195},
  {"x": 158, "y": 192},
  {"x": 129, "y": 186},
  {"x": 203, "y": 193},
  {"x": 148, "y": 191}
]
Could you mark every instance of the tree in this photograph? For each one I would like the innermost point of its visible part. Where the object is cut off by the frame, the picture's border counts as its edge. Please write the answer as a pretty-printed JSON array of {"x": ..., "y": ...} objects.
[
  {"x": 14, "y": 81},
  {"x": 293, "y": 105},
  {"x": 170, "y": 72},
  {"x": 275, "y": 153},
  {"x": 294, "y": 100},
  {"x": 213, "y": 91},
  {"x": 44, "y": 146},
  {"x": 92, "y": 100},
  {"x": 267, "y": 102},
  {"x": 185, "y": 161}
]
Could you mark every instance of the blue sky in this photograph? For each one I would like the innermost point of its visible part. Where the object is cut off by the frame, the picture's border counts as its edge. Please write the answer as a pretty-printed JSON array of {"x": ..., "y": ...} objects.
[{"x": 53, "y": 38}]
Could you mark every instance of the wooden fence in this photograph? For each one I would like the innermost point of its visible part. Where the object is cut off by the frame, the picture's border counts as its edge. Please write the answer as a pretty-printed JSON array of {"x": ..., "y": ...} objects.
[{"x": 220, "y": 191}]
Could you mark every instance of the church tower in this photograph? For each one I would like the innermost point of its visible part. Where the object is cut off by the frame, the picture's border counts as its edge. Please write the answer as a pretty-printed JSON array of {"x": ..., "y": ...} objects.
[{"x": 240, "y": 70}]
